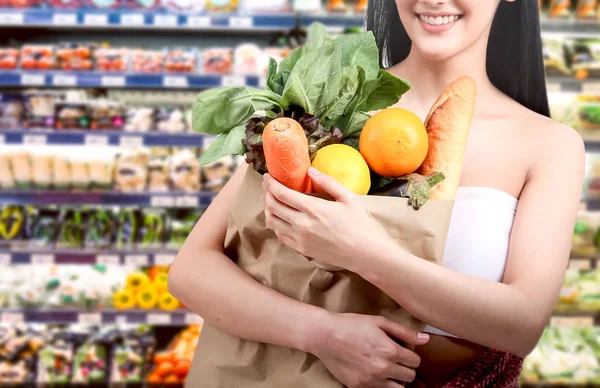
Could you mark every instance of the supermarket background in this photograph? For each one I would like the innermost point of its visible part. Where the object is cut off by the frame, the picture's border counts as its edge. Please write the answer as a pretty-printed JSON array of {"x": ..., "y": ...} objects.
[{"x": 100, "y": 184}]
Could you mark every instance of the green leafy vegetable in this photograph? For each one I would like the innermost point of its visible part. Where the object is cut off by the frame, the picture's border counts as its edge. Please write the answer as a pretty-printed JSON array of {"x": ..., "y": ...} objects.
[
  {"x": 360, "y": 49},
  {"x": 382, "y": 92},
  {"x": 273, "y": 84},
  {"x": 349, "y": 86},
  {"x": 229, "y": 143},
  {"x": 317, "y": 35}
]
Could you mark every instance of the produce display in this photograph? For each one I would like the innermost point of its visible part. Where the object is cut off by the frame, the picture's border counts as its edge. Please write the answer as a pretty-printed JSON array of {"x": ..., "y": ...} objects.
[
  {"x": 81, "y": 355},
  {"x": 125, "y": 170},
  {"x": 580, "y": 292},
  {"x": 94, "y": 229}
]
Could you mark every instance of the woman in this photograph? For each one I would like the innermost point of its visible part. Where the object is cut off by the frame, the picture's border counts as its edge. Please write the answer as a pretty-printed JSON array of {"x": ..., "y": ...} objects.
[{"x": 509, "y": 238}]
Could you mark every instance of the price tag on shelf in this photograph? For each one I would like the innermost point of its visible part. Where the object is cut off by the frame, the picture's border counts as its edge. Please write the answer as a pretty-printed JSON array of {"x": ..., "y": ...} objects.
[
  {"x": 5, "y": 259},
  {"x": 553, "y": 87},
  {"x": 163, "y": 259},
  {"x": 159, "y": 319},
  {"x": 199, "y": 21},
  {"x": 193, "y": 319},
  {"x": 175, "y": 82},
  {"x": 12, "y": 19},
  {"x": 121, "y": 319},
  {"x": 131, "y": 141},
  {"x": 233, "y": 80},
  {"x": 165, "y": 20},
  {"x": 591, "y": 87},
  {"x": 132, "y": 20},
  {"x": 64, "y": 80},
  {"x": 187, "y": 201},
  {"x": 138, "y": 260},
  {"x": 12, "y": 318},
  {"x": 89, "y": 318},
  {"x": 42, "y": 259},
  {"x": 2, "y": 139},
  {"x": 64, "y": 19},
  {"x": 108, "y": 259},
  {"x": 581, "y": 321},
  {"x": 335, "y": 29},
  {"x": 33, "y": 79},
  {"x": 35, "y": 139},
  {"x": 162, "y": 201},
  {"x": 112, "y": 81},
  {"x": 95, "y": 19},
  {"x": 96, "y": 140},
  {"x": 241, "y": 22},
  {"x": 580, "y": 264}
]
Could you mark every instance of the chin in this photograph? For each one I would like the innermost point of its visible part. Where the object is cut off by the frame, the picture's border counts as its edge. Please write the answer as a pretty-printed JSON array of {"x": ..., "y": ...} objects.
[{"x": 434, "y": 53}]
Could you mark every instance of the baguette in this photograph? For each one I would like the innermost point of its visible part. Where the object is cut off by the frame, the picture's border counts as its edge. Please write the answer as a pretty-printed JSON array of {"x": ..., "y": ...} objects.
[{"x": 448, "y": 124}]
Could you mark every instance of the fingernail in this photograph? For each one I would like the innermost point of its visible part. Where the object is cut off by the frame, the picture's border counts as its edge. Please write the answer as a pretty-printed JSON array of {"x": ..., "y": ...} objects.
[
  {"x": 313, "y": 171},
  {"x": 422, "y": 336}
]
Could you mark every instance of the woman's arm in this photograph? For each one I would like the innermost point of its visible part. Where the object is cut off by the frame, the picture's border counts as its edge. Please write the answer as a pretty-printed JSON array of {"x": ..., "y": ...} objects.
[
  {"x": 509, "y": 316},
  {"x": 356, "y": 349}
]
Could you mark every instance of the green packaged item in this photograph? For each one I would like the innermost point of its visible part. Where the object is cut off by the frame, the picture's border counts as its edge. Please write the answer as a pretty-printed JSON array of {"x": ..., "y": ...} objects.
[
  {"x": 13, "y": 226},
  {"x": 127, "y": 230},
  {"x": 130, "y": 356},
  {"x": 583, "y": 238},
  {"x": 181, "y": 223},
  {"x": 72, "y": 229},
  {"x": 151, "y": 233},
  {"x": 100, "y": 229},
  {"x": 91, "y": 360},
  {"x": 43, "y": 228}
]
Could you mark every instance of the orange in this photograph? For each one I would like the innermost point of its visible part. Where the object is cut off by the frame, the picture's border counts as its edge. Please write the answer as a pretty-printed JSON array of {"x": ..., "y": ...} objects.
[{"x": 394, "y": 142}]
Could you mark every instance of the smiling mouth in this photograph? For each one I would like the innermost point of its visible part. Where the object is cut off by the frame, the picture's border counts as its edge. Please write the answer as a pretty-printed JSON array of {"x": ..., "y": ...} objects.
[{"x": 439, "y": 20}]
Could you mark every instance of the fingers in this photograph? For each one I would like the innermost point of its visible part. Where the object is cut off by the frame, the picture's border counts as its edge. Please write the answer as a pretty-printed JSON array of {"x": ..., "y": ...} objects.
[
  {"x": 402, "y": 333},
  {"x": 279, "y": 209},
  {"x": 276, "y": 224},
  {"x": 287, "y": 196},
  {"x": 330, "y": 185},
  {"x": 407, "y": 358},
  {"x": 402, "y": 373},
  {"x": 392, "y": 384}
]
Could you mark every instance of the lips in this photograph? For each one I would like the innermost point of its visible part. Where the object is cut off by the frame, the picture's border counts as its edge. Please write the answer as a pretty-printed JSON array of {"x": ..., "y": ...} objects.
[{"x": 439, "y": 20}]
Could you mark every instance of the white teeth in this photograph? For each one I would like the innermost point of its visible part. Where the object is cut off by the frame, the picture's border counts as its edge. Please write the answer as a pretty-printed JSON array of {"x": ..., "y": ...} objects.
[{"x": 439, "y": 20}]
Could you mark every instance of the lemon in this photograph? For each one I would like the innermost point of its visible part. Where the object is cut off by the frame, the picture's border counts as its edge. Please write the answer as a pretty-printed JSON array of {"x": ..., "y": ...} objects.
[{"x": 345, "y": 164}]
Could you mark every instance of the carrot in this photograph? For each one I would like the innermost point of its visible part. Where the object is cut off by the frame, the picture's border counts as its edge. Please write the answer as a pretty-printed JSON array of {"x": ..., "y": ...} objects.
[{"x": 286, "y": 154}]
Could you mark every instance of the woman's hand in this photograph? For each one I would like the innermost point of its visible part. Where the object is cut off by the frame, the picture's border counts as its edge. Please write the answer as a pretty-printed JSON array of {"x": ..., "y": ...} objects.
[
  {"x": 339, "y": 233},
  {"x": 360, "y": 352}
]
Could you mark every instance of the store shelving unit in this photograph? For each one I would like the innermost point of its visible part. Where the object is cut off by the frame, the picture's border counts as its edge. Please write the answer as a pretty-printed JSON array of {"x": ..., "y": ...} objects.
[
  {"x": 46, "y": 257},
  {"x": 173, "y": 200}
]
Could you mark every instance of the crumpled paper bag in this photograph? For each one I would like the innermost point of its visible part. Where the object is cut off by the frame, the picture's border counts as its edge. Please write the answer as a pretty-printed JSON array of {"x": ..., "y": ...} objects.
[{"x": 224, "y": 361}]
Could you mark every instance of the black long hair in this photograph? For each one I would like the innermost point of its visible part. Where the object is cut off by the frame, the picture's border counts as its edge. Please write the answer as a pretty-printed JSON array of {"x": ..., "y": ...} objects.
[{"x": 515, "y": 62}]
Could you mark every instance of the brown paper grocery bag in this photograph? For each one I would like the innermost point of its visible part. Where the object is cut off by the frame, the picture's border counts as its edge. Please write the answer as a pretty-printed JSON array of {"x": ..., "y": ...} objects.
[{"x": 226, "y": 362}]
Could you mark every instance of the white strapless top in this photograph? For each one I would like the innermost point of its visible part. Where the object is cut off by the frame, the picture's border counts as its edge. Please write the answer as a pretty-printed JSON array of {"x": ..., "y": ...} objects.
[{"x": 479, "y": 235}]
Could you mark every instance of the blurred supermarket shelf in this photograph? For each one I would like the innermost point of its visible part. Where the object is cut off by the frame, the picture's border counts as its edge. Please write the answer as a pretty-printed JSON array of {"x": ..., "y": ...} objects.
[
  {"x": 158, "y": 20},
  {"x": 575, "y": 319},
  {"x": 101, "y": 138},
  {"x": 119, "y": 80},
  {"x": 161, "y": 200},
  {"x": 48, "y": 257},
  {"x": 94, "y": 317}
]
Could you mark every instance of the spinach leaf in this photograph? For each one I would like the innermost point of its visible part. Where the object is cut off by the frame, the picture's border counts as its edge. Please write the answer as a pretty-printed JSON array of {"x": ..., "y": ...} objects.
[
  {"x": 313, "y": 83},
  {"x": 349, "y": 86},
  {"x": 382, "y": 92},
  {"x": 316, "y": 35},
  {"x": 350, "y": 122},
  {"x": 356, "y": 123},
  {"x": 218, "y": 111},
  {"x": 229, "y": 143},
  {"x": 360, "y": 49},
  {"x": 272, "y": 84},
  {"x": 289, "y": 62}
]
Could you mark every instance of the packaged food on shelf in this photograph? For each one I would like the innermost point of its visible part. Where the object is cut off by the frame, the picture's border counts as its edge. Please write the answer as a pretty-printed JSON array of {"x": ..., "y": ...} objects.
[
  {"x": 100, "y": 229},
  {"x": 13, "y": 227},
  {"x": 43, "y": 227},
  {"x": 587, "y": 9},
  {"x": 61, "y": 169},
  {"x": 127, "y": 230},
  {"x": 101, "y": 162},
  {"x": 559, "y": 9},
  {"x": 12, "y": 110},
  {"x": 585, "y": 57},
  {"x": 20, "y": 3},
  {"x": 18, "y": 347},
  {"x": 131, "y": 171},
  {"x": 130, "y": 356},
  {"x": 171, "y": 366},
  {"x": 184, "y": 6},
  {"x": 9, "y": 58},
  {"x": 20, "y": 161},
  {"x": 56, "y": 357},
  {"x": 588, "y": 113},
  {"x": 215, "y": 175},
  {"x": 66, "y": 4},
  {"x": 217, "y": 61},
  {"x": 91, "y": 361},
  {"x": 185, "y": 171},
  {"x": 38, "y": 57},
  {"x": 40, "y": 109},
  {"x": 140, "y": 119},
  {"x": 246, "y": 59},
  {"x": 74, "y": 56},
  {"x": 181, "y": 223},
  {"x": 584, "y": 235},
  {"x": 555, "y": 56},
  {"x": 107, "y": 114},
  {"x": 360, "y": 6},
  {"x": 158, "y": 174},
  {"x": 147, "y": 61},
  {"x": 337, "y": 6},
  {"x": 72, "y": 227},
  {"x": 221, "y": 5},
  {"x": 181, "y": 60},
  {"x": 104, "y": 4},
  {"x": 308, "y": 6},
  {"x": 264, "y": 6},
  {"x": 79, "y": 168},
  {"x": 151, "y": 233},
  {"x": 112, "y": 60},
  {"x": 41, "y": 166},
  {"x": 142, "y": 4},
  {"x": 171, "y": 120},
  {"x": 7, "y": 179}
]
